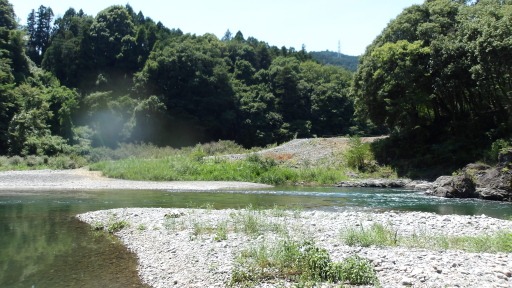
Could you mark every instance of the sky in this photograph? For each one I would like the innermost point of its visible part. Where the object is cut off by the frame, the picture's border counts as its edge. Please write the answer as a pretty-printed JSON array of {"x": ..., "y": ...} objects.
[{"x": 318, "y": 24}]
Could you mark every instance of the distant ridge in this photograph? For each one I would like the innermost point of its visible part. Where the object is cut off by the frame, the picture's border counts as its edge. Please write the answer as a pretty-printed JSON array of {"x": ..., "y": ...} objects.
[{"x": 332, "y": 58}]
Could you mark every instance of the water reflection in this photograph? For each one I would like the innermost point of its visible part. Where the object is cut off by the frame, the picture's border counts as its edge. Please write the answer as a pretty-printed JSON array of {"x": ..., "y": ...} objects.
[{"x": 43, "y": 245}]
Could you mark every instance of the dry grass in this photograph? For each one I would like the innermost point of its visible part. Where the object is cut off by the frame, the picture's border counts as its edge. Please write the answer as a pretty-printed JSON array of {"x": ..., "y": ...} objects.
[{"x": 279, "y": 157}]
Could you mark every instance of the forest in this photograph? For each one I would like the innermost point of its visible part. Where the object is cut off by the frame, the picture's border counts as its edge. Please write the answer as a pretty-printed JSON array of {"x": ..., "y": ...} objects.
[{"x": 437, "y": 80}]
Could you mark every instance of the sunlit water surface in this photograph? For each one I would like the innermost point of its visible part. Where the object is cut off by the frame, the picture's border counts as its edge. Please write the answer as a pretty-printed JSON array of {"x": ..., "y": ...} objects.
[{"x": 43, "y": 245}]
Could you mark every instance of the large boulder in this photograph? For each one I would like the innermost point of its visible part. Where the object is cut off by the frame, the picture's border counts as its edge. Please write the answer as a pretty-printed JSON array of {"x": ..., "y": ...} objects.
[
  {"x": 505, "y": 158},
  {"x": 479, "y": 181},
  {"x": 459, "y": 186},
  {"x": 496, "y": 183}
]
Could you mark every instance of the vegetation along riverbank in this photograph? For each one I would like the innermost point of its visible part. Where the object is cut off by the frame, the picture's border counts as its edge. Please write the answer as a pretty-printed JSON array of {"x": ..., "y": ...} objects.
[{"x": 76, "y": 85}]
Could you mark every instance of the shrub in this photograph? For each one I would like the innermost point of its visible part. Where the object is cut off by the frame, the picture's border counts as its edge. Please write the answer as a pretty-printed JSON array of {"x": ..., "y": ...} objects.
[
  {"x": 16, "y": 160},
  {"x": 298, "y": 261},
  {"x": 355, "y": 270},
  {"x": 359, "y": 155},
  {"x": 4, "y": 161},
  {"x": 34, "y": 161},
  {"x": 496, "y": 147}
]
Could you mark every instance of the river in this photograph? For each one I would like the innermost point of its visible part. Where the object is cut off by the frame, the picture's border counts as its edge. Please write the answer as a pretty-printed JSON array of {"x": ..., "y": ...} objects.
[{"x": 43, "y": 245}]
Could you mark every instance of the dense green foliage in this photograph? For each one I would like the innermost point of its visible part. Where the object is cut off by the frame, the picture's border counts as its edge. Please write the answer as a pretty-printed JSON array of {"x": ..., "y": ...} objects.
[
  {"x": 439, "y": 77},
  {"x": 119, "y": 77},
  {"x": 346, "y": 62}
]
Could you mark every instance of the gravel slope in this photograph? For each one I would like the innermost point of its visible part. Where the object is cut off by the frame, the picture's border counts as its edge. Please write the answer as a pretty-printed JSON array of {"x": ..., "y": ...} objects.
[{"x": 313, "y": 151}]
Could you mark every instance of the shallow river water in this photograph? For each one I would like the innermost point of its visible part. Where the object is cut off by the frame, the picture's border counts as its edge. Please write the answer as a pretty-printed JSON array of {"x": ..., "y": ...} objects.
[{"x": 43, "y": 245}]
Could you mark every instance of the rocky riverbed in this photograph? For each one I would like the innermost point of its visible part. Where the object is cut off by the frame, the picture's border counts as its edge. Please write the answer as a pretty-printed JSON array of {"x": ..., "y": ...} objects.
[{"x": 179, "y": 248}]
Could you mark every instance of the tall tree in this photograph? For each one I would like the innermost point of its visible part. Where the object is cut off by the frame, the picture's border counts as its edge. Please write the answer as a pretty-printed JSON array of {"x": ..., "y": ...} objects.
[
  {"x": 7, "y": 16},
  {"x": 39, "y": 29}
]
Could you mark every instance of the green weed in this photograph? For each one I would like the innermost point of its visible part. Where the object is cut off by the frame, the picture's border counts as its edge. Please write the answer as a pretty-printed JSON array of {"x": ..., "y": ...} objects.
[
  {"x": 117, "y": 226},
  {"x": 96, "y": 226},
  {"x": 376, "y": 235},
  {"x": 221, "y": 231},
  {"x": 301, "y": 262},
  {"x": 380, "y": 235}
]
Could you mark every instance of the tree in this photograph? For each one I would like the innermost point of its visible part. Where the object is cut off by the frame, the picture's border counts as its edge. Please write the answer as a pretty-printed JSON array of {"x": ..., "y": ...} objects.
[
  {"x": 191, "y": 79},
  {"x": 7, "y": 16},
  {"x": 42, "y": 123},
  {"x": 113, "y": 38},
  {"x": 149, "y": 122},
  {"x": 227, "y": 36},
  {"x": 70, "y": 54},
  {"x": 239, "y": 37},
  {"x": 439, "y": 77},
  {"x": 39, "y": 30}
]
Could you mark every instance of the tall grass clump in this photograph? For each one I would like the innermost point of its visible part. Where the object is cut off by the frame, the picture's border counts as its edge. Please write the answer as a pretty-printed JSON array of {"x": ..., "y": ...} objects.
[
  {"x": 297, "y": 261},
  {"x": 500, "y": 241},
  {"x": 380, "y": 235},
  {"x": 375, "y": 235},
  {"x": 255, "y": 223}
]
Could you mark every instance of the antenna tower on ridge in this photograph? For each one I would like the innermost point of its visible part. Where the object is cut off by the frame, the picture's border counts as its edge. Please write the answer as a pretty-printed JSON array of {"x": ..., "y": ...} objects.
[{"x": 339, "y": 49}]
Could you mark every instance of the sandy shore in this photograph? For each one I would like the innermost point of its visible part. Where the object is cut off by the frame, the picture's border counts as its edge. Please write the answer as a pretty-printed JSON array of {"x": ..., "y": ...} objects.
[
  {"x": 83, "y": 179},
  {"x": 179, "y": 252}
]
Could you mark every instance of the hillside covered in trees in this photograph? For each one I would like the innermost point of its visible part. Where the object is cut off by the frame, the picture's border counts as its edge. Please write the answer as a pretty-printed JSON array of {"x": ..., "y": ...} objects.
[
  {"x": 119, "y": 76},
  {"x": 346, "y": 62},
  {"x": 437, "y": 78}
]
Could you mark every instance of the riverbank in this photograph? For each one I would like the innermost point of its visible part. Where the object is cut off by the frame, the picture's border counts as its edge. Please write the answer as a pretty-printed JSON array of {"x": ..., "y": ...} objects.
[
  {"x": 201, "y": 247},
  {"x": 83, "y": 179}
]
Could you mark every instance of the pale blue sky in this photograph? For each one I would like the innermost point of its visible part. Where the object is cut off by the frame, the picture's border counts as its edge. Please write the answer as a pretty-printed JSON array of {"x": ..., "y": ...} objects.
[{"x": 318, "y": 24}]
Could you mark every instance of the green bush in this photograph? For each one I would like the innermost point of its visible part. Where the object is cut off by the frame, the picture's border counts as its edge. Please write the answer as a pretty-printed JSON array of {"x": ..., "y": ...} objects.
[
  {"x": 301, "y": 262},
  {"x": 496, "y": 147},
  {"x": 355, "y": 270},
  {"x": 358, "y": 155}
]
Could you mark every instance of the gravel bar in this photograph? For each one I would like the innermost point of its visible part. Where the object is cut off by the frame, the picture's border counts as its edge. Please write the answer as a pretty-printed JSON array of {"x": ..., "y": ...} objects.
[
  {"x": 172, "y": 254},
  {"x": 83, "y": 179}
]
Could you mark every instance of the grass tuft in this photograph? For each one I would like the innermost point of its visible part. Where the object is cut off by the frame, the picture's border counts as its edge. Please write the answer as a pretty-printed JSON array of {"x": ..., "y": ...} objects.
[{"x": 380, "y": 235}]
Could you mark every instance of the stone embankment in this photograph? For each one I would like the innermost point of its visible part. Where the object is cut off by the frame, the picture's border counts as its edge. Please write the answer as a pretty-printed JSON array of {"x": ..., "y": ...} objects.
[{"x": 176, "y": 252}]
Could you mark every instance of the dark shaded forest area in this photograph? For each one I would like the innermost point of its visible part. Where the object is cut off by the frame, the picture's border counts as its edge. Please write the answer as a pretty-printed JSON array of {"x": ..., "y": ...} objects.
[{"x": 437, "y": 79}]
